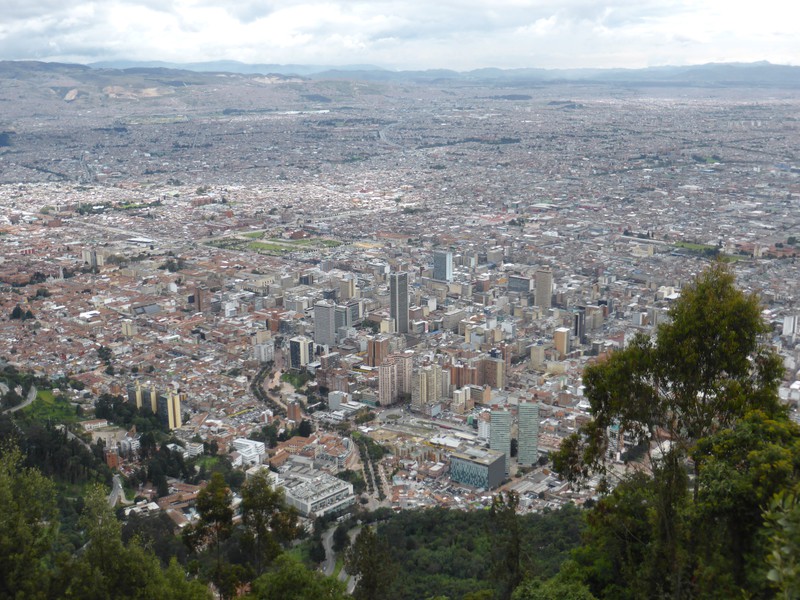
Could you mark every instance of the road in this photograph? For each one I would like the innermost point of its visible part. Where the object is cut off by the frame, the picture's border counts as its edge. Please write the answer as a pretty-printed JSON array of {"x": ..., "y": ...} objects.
[
  {"x": 29, "y": 398},
  {"x": 329, "y": 565},
  {"x": 117, "y": 493}
]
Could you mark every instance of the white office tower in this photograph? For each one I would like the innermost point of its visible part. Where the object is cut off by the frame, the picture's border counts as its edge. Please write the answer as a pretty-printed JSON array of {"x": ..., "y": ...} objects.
[{"x": 325, "y": 324}]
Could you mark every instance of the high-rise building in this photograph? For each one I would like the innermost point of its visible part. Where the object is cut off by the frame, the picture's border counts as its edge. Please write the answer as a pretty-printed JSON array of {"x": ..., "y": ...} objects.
[
  {"x": 294, "y": 411},
  {"x": 528, "y": 449},
  {"x": 398, "y": 300},
  {"x": 301, "y": 349},
  {"x": 519, "y": 284},
  {"x": 579, "y": 325},
  {"x": 377, "y": 350},
  {"x": 544, "y": 288},
  {"x": 325, "y": 324},
  {"x": 500, "y": 433},
  {"x": 492, "y": 372},
  {"x": 405, "y": 367},
  {"x": 478, "y": 468},
  {"x": 427, "y": 386},
  {"x": 387, "y": 382},
  {"x": 442, "y": 265},
  {"x": 561, "y": 340},
  {"x": 347, "y": 288},
  {"x": 168, "y": 409}
]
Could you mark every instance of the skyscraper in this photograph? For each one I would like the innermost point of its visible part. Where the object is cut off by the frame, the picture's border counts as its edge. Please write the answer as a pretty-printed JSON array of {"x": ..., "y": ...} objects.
[
  {"x": 528, "y": 433},
  {"x": 426, "y": 386},
  {"x": 325, "y": 324},
  {"x": 500, "y": 433},
  {"x": 387, "y": 382},
  {"x": 544, "y": 288},
  {"x": 398, "y": 298},
  {"x": 561, "y": 337},
  {"x": 300, "y": 351},
  {"x": 377, "y": 350},
  {"x": 442, "y": 265}
]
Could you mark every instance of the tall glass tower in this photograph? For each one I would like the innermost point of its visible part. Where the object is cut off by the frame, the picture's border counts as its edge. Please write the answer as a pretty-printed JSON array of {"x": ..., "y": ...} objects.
[{"x": 398, "y": 298}]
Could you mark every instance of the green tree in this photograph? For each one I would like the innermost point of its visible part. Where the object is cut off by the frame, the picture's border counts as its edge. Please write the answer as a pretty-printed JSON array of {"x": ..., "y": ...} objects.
[
  {"x": 305, "y": 429},
  {"x": 268, "y": 520},
  {"x": 341, "y": 537},
  {"x": 216, "y": 517},
  {"x": 709, "y": 387},
  {"x": 742, "y": 469},
  {"x": 107, "y": 568},
  {"x": 369, "y": 560},
  {"x": 290, "y": 580},
  {"x": 704, "y": 371},
  {"x": 507, "y": 543},
  {"x": 783, "y": 523},
  {"x": 28, "y": 528}
]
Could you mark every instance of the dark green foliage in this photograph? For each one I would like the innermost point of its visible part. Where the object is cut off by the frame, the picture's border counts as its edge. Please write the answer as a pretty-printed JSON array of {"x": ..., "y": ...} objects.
[
  {"x": 705, "y": 370},
  {"x": 269, "y": 523},
  {"x": 305, "y": 429},
  {"x": 157, "y": 533},
  {"x": 125, "y": 414},
  {"x": 369, "y": 559},
  {"x": 28, "y": 527},
  {"x": 38, "y": 564},
  {"x": 712, "y": 387},
  {"x": 354, "y": 477},
  {"x": 104, "y": 353},
  {"x": 49, "y": 449},
  {"x": 452, "y": 553},
  {"x": 290, "y": 580},
  {"x": 341, "y": 537}
]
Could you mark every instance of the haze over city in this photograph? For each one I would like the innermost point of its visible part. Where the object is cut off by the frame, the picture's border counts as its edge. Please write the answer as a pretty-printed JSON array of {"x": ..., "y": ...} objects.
[{"x": 414, "y": 34}]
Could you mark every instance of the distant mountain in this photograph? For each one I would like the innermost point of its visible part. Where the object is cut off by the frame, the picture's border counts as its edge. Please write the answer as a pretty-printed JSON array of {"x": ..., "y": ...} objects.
[
  {"x": 757, "y": 74},
  {"x": 231, "y": 66}
]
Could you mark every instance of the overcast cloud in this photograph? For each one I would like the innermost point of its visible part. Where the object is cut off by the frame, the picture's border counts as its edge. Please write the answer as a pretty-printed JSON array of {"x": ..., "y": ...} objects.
[{"x": 410, "y": 34}]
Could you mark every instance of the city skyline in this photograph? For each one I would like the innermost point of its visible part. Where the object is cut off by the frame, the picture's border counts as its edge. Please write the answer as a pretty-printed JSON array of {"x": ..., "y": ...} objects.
[{"x": 459, "y": 36}]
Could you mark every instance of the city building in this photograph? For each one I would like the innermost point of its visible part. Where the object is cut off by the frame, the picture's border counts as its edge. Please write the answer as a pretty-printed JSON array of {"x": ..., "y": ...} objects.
[
  {"x": 483, "y": 469},
  {"x": 528, "y": 436},
  {"x": 377, "y": 350},
  {"x": 520, "y": 284},
  {"x": 314, "y": 493},
  {"x": 442, "y": 265},
  {"x": 251, "y": 451},
  {"x": 544, "y": 288},
  {"x": 426, "y": 387},
  {"x": 325, "y": 324},
  {"x": 561, "y": 338},
  {"x": 387, "y": 383},
  {"x": 301, "y": 349},
  {"x": 398, "y": 301},
  {"x": 500, "y": 433},
  {"x": 168, "y": 409}
]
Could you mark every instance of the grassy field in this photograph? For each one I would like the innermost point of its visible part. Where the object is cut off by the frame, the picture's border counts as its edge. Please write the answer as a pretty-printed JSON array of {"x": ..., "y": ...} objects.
[
  {"x": 697, "y": 247},
  {"x": 271, "y": 246},
  {"x": 47, "y": 407}
]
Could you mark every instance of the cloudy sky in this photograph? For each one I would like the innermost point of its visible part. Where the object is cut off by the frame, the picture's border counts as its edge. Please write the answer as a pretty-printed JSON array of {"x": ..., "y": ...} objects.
[{"x": 405, "y": 34}]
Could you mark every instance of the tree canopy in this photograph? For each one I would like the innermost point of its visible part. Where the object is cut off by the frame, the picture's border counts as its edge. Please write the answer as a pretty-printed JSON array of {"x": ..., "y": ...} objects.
[
  {"x": 704, "y": 369},
  {"x": 702, "y": 396}
]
